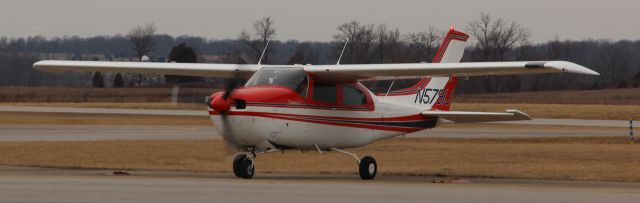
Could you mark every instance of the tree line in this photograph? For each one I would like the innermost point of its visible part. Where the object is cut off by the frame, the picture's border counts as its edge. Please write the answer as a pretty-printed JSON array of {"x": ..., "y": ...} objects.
[{"x": 493, "y": 39}]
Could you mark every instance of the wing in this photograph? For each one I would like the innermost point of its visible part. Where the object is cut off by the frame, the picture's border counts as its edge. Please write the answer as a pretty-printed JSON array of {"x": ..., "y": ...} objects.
[
  {"x": 471, "y": 117},
  {"x": 184, "y": 69},
  {"x": 408, "y": 70}
]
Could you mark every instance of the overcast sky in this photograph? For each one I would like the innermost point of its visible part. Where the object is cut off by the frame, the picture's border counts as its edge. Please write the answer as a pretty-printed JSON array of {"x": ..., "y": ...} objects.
[{"x": 315, "y": 20}]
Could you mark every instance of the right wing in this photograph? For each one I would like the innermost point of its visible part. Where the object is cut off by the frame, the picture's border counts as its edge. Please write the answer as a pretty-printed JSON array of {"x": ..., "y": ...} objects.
[
  {"x": 407, "y": 70},
  {"x": 184, "y": 69}
]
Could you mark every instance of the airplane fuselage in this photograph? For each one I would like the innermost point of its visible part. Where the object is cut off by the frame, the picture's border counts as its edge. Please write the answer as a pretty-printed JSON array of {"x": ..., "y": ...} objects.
[{"x": 326, "y": 114}]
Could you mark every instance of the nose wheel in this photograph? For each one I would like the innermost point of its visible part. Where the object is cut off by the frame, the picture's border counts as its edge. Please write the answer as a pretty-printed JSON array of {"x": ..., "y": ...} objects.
[{"x": 243, "y": 166}]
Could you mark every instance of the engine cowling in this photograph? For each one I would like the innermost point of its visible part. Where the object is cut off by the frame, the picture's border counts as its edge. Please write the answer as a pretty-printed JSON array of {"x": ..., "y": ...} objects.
[{"x": 220, "y": 104}]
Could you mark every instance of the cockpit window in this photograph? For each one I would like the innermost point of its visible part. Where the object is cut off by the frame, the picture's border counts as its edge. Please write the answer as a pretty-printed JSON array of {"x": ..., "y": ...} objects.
[
  {"x": 292, "y": 78},
  {"x": 325, "y": 92}
]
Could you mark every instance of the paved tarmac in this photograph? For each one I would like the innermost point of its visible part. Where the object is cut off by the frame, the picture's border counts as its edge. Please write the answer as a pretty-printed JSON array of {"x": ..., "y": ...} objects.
[
  {"x": 22, "y": 184},
  {"x": 150, "y": 132}
]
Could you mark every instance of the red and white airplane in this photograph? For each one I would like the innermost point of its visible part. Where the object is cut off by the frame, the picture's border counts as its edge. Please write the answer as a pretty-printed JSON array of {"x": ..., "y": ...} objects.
[{"x": 325, "y": 107}]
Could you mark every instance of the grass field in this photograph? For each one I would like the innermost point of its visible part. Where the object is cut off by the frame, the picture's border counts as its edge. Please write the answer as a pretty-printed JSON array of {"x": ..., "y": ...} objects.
[
  {"x": 115, "y": 105},
  {"x": 18, "y": 118},
  {"x": 629, "y": 96},
  {"x": 601, "y": 159},
  {"x": 573, "y": 111},
  {"x": 90, "y": 95}
]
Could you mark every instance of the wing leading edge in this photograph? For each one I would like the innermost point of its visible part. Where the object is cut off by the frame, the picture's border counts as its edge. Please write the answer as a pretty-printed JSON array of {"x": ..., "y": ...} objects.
[
  {"x": 184, "y": 69},
  {"x": 407, "y": 70}
]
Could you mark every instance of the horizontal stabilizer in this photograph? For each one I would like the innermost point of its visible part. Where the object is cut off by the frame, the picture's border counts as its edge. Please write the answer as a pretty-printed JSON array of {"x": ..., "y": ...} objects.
[{"x": 472, "y": 117}]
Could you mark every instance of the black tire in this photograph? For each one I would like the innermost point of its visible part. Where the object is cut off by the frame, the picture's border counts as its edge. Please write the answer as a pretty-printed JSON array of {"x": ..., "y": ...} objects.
[
  {"x": 247, "y": 169},
  {"x": 368, "y": 168},
  {"x": 237, "y": 163}
]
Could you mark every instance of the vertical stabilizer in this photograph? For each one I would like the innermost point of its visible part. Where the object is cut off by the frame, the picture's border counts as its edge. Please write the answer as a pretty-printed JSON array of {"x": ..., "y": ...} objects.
[
  {"x": 451, "y": 51},
  {"x": 434, "y": 93}
]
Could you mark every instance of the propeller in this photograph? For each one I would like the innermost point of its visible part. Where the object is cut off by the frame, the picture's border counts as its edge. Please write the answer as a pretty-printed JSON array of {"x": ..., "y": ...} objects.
[{"x": 222, "y": 104}]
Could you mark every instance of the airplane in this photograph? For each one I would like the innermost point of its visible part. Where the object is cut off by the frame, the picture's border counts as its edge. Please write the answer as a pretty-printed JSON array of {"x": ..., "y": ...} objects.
[{"x": 326, "y": 107}]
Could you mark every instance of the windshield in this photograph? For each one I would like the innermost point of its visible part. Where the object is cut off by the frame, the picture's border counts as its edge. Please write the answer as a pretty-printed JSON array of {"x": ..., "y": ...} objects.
[{"x": 292, "y": 78}]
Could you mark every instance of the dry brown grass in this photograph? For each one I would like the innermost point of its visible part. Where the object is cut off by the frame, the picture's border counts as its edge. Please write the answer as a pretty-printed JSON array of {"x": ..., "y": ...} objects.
[
  {"x": 629, "y": 96},
  {"x": 573, "y": 111},
  {"x": 602, "y": 159},
  {"x": 114, "y": 105},
  {"x": 83, "y": 94},
  {"x": 19, "y": 118}
]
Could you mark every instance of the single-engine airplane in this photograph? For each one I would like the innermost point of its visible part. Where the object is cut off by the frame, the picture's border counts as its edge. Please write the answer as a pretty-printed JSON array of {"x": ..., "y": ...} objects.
[{"x": 325, "y": 107}]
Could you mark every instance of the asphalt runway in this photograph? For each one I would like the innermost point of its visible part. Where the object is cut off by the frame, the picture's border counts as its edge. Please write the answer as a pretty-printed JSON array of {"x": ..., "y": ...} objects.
[
  {"x": 22, "y": 184},
  {"x": 151, "y": 132}
]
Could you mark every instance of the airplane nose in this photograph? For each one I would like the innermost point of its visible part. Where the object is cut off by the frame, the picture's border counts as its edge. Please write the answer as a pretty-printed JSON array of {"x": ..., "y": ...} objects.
[{"x": 221, "y": 104}]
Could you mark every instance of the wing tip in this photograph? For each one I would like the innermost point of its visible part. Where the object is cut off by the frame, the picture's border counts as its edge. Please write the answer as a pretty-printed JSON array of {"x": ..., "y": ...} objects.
[
  {"x": 520, "y": 114},
  {"x": 570, "y": 67},
  {"x": 39, "y": 65}
]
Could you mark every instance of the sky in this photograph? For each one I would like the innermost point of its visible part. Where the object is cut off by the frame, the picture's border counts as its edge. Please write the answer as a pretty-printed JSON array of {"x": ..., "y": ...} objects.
[{"x": 305, "y": 20}]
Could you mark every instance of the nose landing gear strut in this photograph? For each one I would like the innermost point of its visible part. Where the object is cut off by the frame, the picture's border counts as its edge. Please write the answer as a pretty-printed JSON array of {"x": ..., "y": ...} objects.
[{"x": 368, "y": 168}]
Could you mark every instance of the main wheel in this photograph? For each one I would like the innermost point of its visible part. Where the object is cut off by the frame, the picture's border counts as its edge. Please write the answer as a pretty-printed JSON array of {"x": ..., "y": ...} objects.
[
  {"x": 237, "y": 163},
  {"x": 368, "y": 168},
  {"x": 246, "y": 168}
]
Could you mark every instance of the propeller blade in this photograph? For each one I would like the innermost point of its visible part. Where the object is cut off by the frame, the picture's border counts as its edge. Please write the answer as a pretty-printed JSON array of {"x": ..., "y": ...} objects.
[{"x": 232, "y": 83}]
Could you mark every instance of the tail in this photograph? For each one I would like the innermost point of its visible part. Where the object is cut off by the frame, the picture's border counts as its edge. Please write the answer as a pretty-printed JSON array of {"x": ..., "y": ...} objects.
[
  {"x": 451, "y": 51},
  {"x": 436, "y": 92}
]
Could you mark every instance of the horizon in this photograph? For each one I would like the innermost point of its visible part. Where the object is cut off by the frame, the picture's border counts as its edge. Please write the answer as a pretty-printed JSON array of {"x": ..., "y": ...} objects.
[{"x": 545, "y": 19}]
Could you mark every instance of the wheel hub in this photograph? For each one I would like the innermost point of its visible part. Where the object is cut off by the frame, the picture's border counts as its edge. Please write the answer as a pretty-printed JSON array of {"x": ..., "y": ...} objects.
[{"x": 372, "y": 168}]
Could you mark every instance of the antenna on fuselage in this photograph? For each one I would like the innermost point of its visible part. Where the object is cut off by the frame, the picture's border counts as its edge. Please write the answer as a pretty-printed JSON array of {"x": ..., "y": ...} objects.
[
  {"x": 342, "y": 52},
  {"x": 263, "y": 51}
]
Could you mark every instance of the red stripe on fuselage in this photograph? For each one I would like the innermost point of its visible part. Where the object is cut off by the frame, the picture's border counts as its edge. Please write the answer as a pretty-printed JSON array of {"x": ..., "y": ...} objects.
[{"x": 308, "y": 118}]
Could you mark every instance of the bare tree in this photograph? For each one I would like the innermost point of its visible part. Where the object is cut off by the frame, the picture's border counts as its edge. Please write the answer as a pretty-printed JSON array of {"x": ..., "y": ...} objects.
[
  {"x": 496, "y": 37},
  {"x": 495, "y": 40},
  {"x": 360, "y": 38},
  {"x": 142, "y": 37},
  {"x": 422, "y": 46},
  {"x": 264, "y": 32},
  {"x": 303, "y": 55},
  {"x": 614, "y": 59},
  {"x": 387, "y": 44}
]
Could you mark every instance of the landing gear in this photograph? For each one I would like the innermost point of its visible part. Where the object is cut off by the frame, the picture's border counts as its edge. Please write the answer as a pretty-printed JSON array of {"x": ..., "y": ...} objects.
[
  {"x": 368, "y": 167},
  {"x": 243, "y": 166},
  {"x": 237, "y": 163}
]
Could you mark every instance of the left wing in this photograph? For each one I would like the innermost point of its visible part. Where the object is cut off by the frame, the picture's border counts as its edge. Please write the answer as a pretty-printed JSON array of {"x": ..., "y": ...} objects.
[
  {"x": 407, "y": 70},
  {"x": 472, "y": 117},
  {"x": 184, "y": 69}
]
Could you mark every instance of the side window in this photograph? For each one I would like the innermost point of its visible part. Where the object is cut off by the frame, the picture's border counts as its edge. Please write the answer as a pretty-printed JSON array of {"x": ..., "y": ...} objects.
[
  {"x": 353, "y": 97},
  {"x": 324, "y": 92},
  {"x": 302, "y": 87}
]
